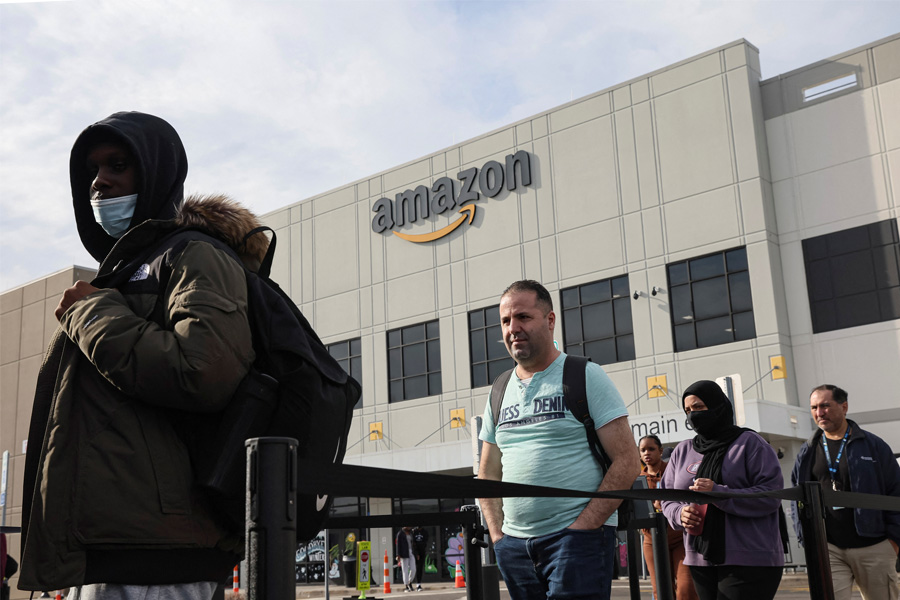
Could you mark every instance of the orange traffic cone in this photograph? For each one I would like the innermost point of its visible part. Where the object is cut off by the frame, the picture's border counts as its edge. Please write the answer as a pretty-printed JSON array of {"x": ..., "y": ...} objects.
[
  {"x": 460, "y": 582},
  {"x": 387, "y": 574}
]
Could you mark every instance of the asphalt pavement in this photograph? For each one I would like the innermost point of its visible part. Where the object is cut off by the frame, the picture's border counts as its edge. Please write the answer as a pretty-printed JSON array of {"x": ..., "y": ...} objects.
[{"x": 794, "y": 586}]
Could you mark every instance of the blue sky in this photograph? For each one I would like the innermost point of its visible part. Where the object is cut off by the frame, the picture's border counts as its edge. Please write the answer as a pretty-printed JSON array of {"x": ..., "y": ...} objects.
[{"x": 279, "y": 100}]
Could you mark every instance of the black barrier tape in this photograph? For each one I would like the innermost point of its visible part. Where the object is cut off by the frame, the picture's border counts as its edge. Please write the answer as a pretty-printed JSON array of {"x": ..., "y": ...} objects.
[{"x": 374, "y": 482}]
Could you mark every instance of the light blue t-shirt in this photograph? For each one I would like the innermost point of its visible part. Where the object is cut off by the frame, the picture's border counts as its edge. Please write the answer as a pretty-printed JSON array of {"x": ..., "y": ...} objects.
[{"x": 544, "y": 444}]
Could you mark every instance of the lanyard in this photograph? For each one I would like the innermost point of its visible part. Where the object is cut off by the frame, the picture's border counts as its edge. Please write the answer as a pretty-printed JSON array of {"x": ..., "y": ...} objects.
[{"x": 833, "y": 467}]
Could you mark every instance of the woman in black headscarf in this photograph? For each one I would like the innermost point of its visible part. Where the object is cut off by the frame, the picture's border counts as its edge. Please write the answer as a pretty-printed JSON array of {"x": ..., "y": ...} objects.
[{"x": 732, "y": 546}]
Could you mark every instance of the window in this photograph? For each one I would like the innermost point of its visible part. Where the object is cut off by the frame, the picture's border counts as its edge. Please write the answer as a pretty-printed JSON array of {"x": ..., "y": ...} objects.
[
  {"x": 853, "y": 277},
  {"x": 596, "y": 321},
  {"x": 710, "y": 300},
  {"x": 486, "y": 347},
  {"x": 349, "y": 355},
  {"x": 414, "y": 361}
]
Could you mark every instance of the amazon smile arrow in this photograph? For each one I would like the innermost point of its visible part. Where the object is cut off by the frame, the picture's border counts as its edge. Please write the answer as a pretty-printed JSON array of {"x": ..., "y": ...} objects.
[{"x": 434, "y": 235}]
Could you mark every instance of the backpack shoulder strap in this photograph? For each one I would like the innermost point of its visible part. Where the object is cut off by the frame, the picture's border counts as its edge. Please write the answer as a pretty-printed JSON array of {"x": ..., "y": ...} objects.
[
  {"x": 575, "y": 394},
  {"x": 498, "y": 390}
]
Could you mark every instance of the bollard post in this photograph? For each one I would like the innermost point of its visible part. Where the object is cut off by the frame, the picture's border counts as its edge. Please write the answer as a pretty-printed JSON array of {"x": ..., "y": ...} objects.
[
  {"x": 271, "y": 511},
  {"x": 661, "y": 562},
  {"x": 815, "y": 543},
  {"x": 634, "y": 559},
  {"x": 474, "y": 544}
]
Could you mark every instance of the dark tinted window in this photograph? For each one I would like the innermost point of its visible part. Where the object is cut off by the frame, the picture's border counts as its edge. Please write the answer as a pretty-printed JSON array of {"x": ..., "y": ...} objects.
[
  {"x": 853, "y": 276},
  {"x": 711, "y": 302},
  {"x": 597, "y": 321},
  {"x": 486, "y": 349},
  {"x": 414, "y": 361}
]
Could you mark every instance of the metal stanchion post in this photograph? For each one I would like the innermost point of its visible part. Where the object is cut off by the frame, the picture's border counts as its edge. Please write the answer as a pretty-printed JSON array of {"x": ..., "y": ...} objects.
[
  {"x": 271, "y": 530},
  {"x": 474, "y": 544},
  {"x": 661, "y": 562},
  {"x": 634, "y": 560},
  {"x": 815, "y": 544}
]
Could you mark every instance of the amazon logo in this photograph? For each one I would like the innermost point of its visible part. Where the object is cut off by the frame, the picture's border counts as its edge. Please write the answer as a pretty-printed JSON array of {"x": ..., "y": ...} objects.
[{"x": 413, "y": 206}]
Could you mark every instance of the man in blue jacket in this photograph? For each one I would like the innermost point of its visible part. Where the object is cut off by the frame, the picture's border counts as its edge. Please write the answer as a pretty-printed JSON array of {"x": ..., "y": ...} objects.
[{"x": 862, "y": 544}]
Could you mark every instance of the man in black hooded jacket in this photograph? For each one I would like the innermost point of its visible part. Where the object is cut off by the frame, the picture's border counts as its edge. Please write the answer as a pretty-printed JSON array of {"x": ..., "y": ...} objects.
[{"x": 156, "y": 342}]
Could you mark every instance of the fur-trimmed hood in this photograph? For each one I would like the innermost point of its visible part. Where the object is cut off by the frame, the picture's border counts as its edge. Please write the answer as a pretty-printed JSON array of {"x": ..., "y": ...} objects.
[{"x": 223, "y": 218}]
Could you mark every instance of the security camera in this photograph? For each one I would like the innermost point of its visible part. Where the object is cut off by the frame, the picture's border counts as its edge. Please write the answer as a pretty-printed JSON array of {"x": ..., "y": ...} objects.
[
  {"x": 636, "y": 295},
  {"x": 780, "y": 452}
]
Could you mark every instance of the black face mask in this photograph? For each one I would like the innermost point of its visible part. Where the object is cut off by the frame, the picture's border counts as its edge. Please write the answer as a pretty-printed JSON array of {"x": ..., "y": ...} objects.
[{"x": 704, "y": 422}]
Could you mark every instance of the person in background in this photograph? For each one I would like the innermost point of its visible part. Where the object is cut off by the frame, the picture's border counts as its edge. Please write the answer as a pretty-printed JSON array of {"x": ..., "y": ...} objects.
[
  {"x": 406, "y": 557},
  {"x": 862, "y": 544},
  {"x": 420, "y": 547},
  {"x": 650, "y": 448},
  {"x": 732, "y": 546}
]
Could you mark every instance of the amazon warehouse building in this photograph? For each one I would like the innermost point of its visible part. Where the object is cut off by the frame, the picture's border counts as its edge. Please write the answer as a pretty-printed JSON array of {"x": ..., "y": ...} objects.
[{"x": 696, "y": 222}]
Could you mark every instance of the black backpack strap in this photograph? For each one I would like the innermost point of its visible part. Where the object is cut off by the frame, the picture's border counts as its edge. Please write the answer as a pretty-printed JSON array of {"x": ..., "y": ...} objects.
[
  {"x": 575, "y": 394},
  {"x": 498, "y": 390},
  {"x": 266, "y": 266}
]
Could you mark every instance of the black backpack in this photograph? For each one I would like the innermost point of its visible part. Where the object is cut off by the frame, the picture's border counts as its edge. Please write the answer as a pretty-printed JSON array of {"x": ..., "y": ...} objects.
[{"x": 294, "y": 389}]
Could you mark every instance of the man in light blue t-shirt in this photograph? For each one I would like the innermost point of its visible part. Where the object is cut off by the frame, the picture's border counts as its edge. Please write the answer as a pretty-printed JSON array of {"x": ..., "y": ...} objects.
[{"x": 552, "y": 547}]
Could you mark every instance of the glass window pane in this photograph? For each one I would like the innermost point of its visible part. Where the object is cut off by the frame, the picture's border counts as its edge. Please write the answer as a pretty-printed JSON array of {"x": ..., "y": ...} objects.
[
  {"x": 394, "y": 338},
  {"x": 595, "y": 292},
  {"x": 415, "y": 387},
  {"x": 413, "y": 359},
  {"x": 345, "y": 365},
  {"x": 889, "y": 300},
  {"x": 570, "y": 298},
  {"x": 479, "y": 375},
  {"x": 598, "y": 321},
  {"x": 713, "y": 332},
  {"x": 681, "y": 304},
  {"x": 495, "y": 347},
  {"x": 492, "y": 315},
  {"x": 886, "y": 260},
  {"x": 625, "y": 347},
  {"x": 818, "y": 280},
  {"x": 710, "y": 299},
  {"x": 678, "y": 273},
  {"x": 622, "y": 311},
  {"x": 476, "y": 346},
  {"x": 849, "y": 240},
  {"x": 684, "y": 337},
  {"x": 575, "y": 349},
  {"x": 338, "y": 350},
  {"x": 823, "y": 316},
  {"x": 883, "y": 232},
  {"x": 395, "y": 363},
  {"x": 858, "y": 309},
  {"x": 815, "y": 248},
  {"x": 744, "y": 327},
  {"x": 413, "y": 333},
  {"x": 396, "y": 390},
  {"x": 355, "y": 347},
  {"x": 572, "y": 326},
  {"x": 496, "y": 367},
  {"x": 620, "y": 287},
  {"x": 356, "y": 368},
  {"x": 602, "y": 352},
  {"x": 476, "y": 319},
  {"x": 853, "y": 273},
  {"x": 434, "y": 384},
  {"x": 736, "y": 259},
  {"x": 433, "y": 329},
  {"x": 434, "y": 355},
  {"x": 739, "y": 288},
  {"x": 708, "y": 266}
]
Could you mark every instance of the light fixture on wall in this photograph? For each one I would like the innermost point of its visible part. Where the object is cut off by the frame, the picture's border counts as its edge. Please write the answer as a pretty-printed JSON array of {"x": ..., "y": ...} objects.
[{"x": 654, "y": 291}]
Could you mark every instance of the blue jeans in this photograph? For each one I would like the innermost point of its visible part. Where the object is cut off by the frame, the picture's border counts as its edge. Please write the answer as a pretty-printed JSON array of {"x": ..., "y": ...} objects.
[{"x": 569, "y": 564}]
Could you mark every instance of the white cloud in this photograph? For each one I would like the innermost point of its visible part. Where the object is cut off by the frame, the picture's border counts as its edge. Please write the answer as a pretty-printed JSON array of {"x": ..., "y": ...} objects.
[{"x": 280, "y": 101}]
